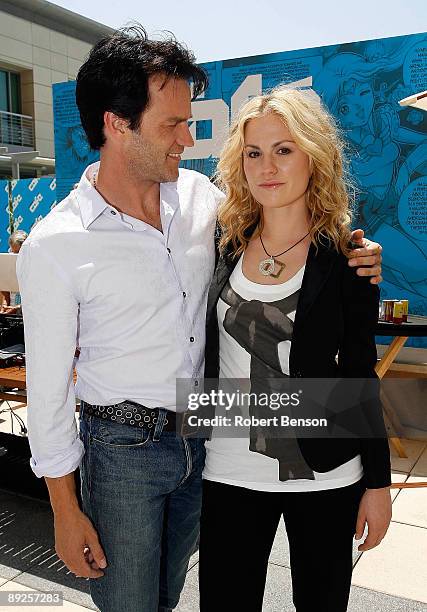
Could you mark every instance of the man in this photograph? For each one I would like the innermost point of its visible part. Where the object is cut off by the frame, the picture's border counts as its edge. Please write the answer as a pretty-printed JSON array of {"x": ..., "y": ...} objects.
[
  {"x": 127, "y": 259},
  {"x": 16, "y": 240}
]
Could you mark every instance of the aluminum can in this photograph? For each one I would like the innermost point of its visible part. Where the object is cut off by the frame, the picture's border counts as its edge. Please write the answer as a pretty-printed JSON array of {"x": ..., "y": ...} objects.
[
  {"x": 388, "y": 310},
  {"x": 398, "y": 313},
  {"x": 405, "y": 309}
]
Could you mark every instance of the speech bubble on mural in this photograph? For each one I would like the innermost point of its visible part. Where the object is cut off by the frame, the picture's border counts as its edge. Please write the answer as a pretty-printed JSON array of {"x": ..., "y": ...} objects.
[
  {"x": 412, "y": 209},
  {"x": 415, "y": 68}
]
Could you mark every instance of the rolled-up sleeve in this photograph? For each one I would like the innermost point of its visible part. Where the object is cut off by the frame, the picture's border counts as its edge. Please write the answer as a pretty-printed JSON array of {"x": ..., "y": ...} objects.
[{"x": 50, "y": 310}]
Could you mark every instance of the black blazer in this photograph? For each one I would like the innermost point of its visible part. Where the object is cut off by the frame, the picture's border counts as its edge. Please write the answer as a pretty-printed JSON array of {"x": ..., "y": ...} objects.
[{"x": 337, "y": 312}]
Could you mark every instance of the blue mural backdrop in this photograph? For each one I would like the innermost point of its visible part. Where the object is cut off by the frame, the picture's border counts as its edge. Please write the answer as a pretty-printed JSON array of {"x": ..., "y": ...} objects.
[
  {"x": 4, "y": 199},
  {"x": 361, "y": 83},
  {"x": 72, "y": 150},
  {"x": 32, "y": 199}
]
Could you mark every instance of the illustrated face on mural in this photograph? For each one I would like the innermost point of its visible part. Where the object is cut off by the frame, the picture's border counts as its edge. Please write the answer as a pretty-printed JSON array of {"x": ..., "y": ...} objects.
[
  {"x": 154, "y": 149},
  {"x": 355, "y": 105},
  {"x": 276, "y": 170}
]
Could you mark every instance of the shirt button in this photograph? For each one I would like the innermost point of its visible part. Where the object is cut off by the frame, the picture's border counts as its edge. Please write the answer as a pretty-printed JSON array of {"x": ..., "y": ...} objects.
[
  {"x": 168, "y": 250},
  {"x": 192, "y": 339},
  {"x": 184, "y": 294},
  {"x": 196, "y": 383},
  {"x": 113, "y": 212}
]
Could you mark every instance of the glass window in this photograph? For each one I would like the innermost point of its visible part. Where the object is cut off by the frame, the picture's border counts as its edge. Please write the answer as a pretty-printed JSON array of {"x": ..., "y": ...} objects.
[
  {"x": 4, "y": 91},
  {"x": 10, "y": 92},
  {"x": 15, "y": 93}
]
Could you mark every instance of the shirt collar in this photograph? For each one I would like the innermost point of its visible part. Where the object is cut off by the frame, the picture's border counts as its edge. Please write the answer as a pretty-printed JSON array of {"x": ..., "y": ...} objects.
[
  {"x": 92, "y": 204},
  {"x": 169, "y": 204}
]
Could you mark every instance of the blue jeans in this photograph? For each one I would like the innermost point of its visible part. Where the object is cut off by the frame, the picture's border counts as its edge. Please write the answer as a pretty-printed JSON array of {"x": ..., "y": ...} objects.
[{"x": 143, "y": 495}]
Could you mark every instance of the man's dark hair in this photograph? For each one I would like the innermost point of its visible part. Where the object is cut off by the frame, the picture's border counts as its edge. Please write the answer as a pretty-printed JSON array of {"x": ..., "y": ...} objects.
[{"x": 115, "y": 77}]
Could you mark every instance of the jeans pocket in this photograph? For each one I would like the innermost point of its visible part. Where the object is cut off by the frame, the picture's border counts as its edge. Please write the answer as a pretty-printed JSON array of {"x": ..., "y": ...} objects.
[{"x": 117, "y": 435}]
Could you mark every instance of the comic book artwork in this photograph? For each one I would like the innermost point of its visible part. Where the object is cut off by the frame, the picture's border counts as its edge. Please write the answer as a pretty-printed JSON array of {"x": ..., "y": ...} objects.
[
  {"x": 72, "y": 150},
  {"x": 388, "y": 153},
  {"x": 361, "y": 83}
]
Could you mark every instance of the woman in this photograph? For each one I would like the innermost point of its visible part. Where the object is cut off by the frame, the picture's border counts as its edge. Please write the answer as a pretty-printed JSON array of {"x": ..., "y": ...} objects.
[{"x": 283, "y": 303}]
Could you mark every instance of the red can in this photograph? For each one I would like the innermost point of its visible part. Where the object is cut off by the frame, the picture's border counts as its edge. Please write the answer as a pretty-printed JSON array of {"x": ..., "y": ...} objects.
[
  {"x": 405, "y": 310},
  {"x": 388, "y": 310}
]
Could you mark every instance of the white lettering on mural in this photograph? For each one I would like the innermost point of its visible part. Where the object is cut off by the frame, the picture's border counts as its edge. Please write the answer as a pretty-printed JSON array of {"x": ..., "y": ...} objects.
[
  {"x": 33, "y": 184},
  {"x": 204, "y": 110},
  {"x": 218, "y": 112},
  {"x": 17, "y": 222},
  {"x": 36, "y": 202},
  {"x": 16, "y": 200},
  {"x": 251, "y": 86}
]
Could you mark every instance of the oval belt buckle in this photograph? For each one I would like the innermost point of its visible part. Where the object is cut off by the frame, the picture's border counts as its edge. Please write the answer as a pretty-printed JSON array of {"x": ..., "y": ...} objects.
[{"x": 266, "y": 266}]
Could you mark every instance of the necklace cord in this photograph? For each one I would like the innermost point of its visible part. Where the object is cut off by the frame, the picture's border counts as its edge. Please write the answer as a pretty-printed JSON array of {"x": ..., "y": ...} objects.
[{"x": 291, "y": 247}]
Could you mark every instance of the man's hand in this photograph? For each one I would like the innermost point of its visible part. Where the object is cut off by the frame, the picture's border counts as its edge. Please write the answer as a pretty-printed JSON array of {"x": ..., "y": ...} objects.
[
  {"x": 77, "y": 544},
  {"x": 375, "y": 510},
  {"x": 369, "y": 254}
]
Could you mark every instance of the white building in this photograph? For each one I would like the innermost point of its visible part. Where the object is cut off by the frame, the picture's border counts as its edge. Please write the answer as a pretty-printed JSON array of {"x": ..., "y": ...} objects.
[{"x": 40, "y": 44}]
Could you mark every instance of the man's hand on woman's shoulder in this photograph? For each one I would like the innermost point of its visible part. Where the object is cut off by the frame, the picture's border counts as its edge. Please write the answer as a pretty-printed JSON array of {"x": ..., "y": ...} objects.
[{"x": 366, "y": 258}]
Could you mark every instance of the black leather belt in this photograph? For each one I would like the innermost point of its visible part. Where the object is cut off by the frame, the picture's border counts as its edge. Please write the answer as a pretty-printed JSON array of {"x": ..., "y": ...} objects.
[{"x": 131, "y": 413}]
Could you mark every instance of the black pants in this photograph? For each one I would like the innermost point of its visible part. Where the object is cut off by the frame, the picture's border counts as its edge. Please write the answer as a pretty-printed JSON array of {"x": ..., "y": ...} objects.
[{"x": 238, "y": 527}]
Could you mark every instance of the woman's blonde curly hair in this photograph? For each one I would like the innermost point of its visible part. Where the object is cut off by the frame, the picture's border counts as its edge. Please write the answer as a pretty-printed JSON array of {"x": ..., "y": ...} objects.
[{"x": 316, "y": 134}]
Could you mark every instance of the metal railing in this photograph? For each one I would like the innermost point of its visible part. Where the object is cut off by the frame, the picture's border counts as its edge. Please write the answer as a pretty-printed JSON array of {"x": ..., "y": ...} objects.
[{"x": 16, "y": 129}]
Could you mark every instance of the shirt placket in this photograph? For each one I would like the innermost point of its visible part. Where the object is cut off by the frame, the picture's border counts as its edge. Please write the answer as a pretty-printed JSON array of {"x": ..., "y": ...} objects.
[{"x": 185, "y": 329}]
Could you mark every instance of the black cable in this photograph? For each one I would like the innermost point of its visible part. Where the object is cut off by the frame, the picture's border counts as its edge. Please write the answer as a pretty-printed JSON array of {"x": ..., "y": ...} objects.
[
  {"x": 24, "y": 430},
  {"x": 21, "y": 422}
]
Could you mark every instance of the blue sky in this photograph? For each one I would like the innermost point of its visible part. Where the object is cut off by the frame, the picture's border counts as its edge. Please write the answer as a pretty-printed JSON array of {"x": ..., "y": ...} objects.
[{"x": 221, "y": 29}]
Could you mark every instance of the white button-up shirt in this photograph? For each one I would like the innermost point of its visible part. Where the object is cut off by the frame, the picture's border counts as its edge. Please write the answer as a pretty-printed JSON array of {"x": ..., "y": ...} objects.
[{"x": 131, "y": 298}]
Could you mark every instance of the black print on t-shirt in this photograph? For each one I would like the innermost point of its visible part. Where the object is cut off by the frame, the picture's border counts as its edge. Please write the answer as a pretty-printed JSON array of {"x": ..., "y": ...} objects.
[{"x": 259, "y": 327}]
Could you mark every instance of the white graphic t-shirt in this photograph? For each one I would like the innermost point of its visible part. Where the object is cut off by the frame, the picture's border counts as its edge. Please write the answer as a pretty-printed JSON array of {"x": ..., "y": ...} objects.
[{"x": 255, "y": 334}]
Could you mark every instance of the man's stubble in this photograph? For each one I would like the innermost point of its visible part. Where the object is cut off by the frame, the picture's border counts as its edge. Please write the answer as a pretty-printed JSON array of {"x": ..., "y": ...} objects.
[{"x": 146, "y": 161}]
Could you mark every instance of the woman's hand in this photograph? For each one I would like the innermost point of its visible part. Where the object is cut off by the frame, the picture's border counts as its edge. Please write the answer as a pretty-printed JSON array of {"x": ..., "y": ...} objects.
[{"x": 375, "y": 511}]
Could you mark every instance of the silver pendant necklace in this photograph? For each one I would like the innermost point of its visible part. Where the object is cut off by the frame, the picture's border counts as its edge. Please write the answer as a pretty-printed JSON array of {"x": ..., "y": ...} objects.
[{"x": 267, "y": 266}]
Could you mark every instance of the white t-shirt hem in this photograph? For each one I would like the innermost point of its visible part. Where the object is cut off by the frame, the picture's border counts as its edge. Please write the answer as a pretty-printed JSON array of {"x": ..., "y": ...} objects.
[{"x": 302, "y": 486}]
